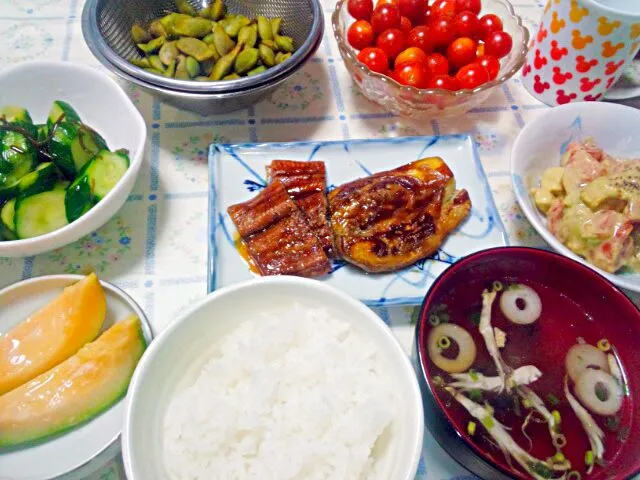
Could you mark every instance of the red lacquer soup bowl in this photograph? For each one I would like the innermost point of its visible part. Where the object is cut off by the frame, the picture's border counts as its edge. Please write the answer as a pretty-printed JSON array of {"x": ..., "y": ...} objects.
[{"x": 578, "y": 307}]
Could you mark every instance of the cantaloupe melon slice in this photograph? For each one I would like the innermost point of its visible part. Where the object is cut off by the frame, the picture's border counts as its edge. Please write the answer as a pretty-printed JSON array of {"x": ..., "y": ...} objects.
[
  {"x": 76, "y": 390},
  {"x": 52, "y": 334}
]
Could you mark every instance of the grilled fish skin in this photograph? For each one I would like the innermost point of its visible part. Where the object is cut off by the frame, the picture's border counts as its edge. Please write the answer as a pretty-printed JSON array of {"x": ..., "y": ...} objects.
[{"x": 390, "y": 220}]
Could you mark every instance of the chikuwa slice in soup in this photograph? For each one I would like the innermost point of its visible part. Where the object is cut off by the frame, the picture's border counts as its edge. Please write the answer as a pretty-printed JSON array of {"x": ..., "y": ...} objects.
[{"x": 553, "y": 401}]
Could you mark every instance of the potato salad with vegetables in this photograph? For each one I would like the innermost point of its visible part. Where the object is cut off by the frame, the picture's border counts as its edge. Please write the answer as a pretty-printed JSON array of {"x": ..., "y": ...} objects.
[
  {"x": 51, "y": 173},
  {"x": 592, "y": 205}
]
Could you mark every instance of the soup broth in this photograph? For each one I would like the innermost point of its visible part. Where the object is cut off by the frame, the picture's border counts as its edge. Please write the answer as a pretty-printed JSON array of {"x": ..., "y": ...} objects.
[{"x": 543, "y": 344}]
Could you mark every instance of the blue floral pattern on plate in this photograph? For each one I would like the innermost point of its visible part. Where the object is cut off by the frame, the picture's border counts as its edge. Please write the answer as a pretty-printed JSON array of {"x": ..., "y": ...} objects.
[{"x": 237, "y": 172}]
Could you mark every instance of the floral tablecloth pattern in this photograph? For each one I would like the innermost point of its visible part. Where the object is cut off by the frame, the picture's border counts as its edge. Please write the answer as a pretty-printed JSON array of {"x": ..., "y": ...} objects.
[{"x": 156, "y": 246}]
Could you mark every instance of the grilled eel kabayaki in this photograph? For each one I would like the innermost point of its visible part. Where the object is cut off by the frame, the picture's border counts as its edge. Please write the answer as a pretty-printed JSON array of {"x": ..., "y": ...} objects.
[
  {"x": 277, "y": 235},
  {"x": 392, "y": 219},
  {"x": 306, "y": 183}
]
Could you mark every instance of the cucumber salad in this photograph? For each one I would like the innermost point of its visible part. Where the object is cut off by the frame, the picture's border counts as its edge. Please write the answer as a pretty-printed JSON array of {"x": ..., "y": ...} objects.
[{"x": 52, "y": 173}]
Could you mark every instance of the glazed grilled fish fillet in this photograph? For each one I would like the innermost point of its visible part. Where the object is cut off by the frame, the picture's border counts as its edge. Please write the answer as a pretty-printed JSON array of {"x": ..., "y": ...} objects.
[
  {"x": 392, "y": 219},
  {"x": 306, "y": 183},
  {"x": 277, "y": 235}
]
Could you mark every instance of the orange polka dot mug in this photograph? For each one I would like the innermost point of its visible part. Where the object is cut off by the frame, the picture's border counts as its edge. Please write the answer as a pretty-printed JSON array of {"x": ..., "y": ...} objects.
[{"x": 581, "y": 49}]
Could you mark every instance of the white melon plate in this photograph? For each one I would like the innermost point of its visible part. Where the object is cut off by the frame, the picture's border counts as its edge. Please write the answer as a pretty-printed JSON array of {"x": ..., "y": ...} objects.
[{"x": 77, "y": 453}]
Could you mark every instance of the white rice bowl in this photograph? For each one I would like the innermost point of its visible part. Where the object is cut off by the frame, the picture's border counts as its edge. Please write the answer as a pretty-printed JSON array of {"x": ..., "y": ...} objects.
[
  {"x": 296, "y": 396},
  {"x": 274, "y": 379}
]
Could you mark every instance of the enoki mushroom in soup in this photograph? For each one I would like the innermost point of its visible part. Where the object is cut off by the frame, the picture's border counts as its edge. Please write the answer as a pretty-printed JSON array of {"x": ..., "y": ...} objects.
[{"x": 504, "y": 364}]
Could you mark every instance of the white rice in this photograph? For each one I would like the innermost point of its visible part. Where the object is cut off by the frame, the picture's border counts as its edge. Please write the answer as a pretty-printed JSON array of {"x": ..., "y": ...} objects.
[{"x": 297, "y": 395}]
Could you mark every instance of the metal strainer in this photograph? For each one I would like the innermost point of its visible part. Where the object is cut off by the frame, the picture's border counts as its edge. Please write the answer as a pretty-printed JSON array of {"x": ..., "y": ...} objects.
[{"x": 106, "y": 26}]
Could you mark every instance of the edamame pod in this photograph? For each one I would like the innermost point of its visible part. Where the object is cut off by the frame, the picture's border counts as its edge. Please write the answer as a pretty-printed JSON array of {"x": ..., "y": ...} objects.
[
  {"x": 155, "y": 62},
  {"x": 276, "y": 23},
  {"x": 223, "y": 42},
  {"x": 192, "y": 27},
  {"x": 139, "y": 34},
  {"x": 264, "y": 28},
  {"x": 284, "y": 43},
  {"x": 246, "y": 60},
  {"x": 266, "y": 55},
  {"x": 153, "y": 46},
  {"x": 168, "y": 53},
  {"x": 224, "y": 66},
  {"x": 235, "y": 24},
  {"x": 257, "y": 70},
  {"x": 194, "y": 48},
  {"x": 248, "y": 36},
  {"x": 192, "y": 66},
  {"x": 217, "y": 10},
  {"x": 185, "y": 7}
]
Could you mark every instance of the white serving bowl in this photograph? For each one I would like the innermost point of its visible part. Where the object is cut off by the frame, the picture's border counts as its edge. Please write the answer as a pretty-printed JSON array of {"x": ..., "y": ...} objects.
[
  {"x": 538, "y": 147},
  {"x": 181, "y": 350},
  {"x": 101, "y": 104},
  {"x": 81, "y": 451}
]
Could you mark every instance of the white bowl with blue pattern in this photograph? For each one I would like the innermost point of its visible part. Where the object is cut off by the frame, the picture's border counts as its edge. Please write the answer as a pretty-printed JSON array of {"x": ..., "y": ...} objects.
[
  {"x": 540, "y": 145},
  {"x": 237, "y": 173}
]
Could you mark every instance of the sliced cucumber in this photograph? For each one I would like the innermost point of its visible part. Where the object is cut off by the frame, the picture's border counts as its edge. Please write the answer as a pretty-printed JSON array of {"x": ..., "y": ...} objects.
[
  {"x": 79, "y": 199},
  {"x": 8, "y": 192},
  {"x": 85, "y": 146},
  {"x": 73, "y": 145},
  {"x": 17, "y": 157},
  {"x": 7, "y": 224},
  {"x": 42, "y": 132},
  {"x": 105, "y": 170},
  {"x": 61, "y": 185},
  {"x": 60, "y": 108},
  {"x": 13, "y": 114},
  {"x": 40, "y": 214},
  {"x": 60, "y": 148},
  {"x": 40, "y": 180}
]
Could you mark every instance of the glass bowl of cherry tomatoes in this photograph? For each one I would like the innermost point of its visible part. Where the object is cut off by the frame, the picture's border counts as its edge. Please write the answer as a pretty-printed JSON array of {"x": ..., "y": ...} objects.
[{"x": 429, "y": 57}]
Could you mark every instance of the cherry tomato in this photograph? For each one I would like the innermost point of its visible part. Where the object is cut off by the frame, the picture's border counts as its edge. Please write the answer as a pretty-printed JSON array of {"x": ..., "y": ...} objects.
[
  {"x": 392, "y": 42},
  {"x": 472, "y": 76},
  {"x": 413, "y": 74},
  {"x": 375, "y": 59},
  {"x": 405, "y": 24},
  {"x": 420, "y": 37},
  {"x": 471, "y": 5},
  {"x": 480, "y": 50},
  {"x": 360, "y": 34},
  {"x": 427, "y": 15},
  {"x": 466, "y": 24},
  {"x": 438, "y": 64},
  {"x": 409, "y": 56},
  {"x": 412, "y": 9},
  {"x": 395, "y": 3},
  {"x": 360, "y": 9},
  {"x": 461, "y": 52},
  {"x": 490, "y": 64},
  {"x": 446, "y": 82},
  {"x": 498, "y": 44},
  {"x": 442, "y": 33},
  {"x": 488, "y": 24},
  {"x": 443, "y": 9},
  {"x": 385, "y": 17}
]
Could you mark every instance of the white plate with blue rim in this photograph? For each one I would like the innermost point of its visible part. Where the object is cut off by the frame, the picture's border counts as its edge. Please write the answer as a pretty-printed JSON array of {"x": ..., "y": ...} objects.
[
  {"x": 237, "y": 173},
  {"x": 543, "y": 141}
]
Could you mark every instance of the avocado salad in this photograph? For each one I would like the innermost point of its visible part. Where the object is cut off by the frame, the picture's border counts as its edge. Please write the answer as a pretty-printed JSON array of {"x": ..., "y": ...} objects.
[
  {"x": 592, "y": 205},
  {"x": 52, "y": 173}
]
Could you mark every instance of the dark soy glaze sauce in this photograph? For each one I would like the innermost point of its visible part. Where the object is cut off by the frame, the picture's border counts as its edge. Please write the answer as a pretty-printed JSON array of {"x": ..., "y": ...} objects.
[{"x": 543, "y": 344}]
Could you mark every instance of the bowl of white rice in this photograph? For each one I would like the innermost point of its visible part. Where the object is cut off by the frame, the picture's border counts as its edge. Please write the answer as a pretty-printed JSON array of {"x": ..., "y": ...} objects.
[{"x": 279, "y": 378}]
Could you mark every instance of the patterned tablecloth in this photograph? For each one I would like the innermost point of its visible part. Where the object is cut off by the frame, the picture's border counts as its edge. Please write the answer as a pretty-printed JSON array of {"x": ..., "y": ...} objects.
[{"x": 156, "y": 247}]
